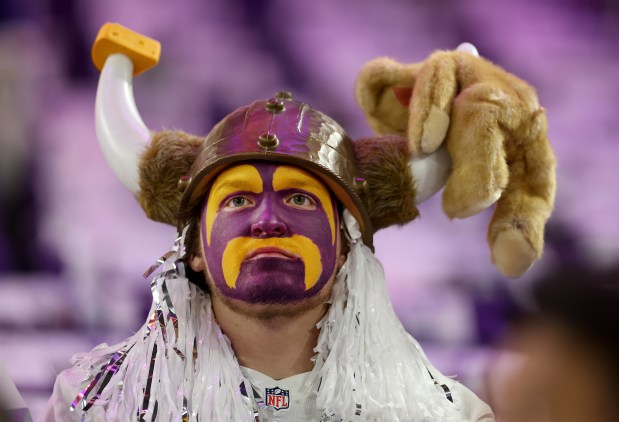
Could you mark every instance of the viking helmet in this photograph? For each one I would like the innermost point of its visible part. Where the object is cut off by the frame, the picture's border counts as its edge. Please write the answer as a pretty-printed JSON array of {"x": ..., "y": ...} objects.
[{"x": 284, "y": 131}]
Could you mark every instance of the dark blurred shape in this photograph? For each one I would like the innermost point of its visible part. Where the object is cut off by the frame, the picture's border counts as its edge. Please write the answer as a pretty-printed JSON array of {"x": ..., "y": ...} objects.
[
  {"x": 11, "y": 9},
  {"x": 494, "y": 309},
  {"x": 585, "y": 301},
  {"x": 566, "y": 244},
  {"x": 21, "y": 55},
  {"x": 69, "y": 27},
  {"x": 566, "y": 365},
  {"x": 18, "y": 221}
]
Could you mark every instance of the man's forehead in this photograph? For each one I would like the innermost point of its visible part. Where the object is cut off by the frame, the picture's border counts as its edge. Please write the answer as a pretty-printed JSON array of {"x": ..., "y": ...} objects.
[{"x": 271, "y": 175}]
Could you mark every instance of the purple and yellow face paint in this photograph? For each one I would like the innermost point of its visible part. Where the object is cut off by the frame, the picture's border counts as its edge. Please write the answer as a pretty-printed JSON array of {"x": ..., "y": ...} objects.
[{"x": 269, "y": 233}]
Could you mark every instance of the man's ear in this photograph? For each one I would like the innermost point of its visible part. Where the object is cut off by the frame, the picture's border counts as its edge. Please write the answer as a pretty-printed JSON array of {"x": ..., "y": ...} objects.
[
  {"x": 341, "y": 260},
  {"x": 197, "y": 263},
  {"x": 342, "y": 245}
]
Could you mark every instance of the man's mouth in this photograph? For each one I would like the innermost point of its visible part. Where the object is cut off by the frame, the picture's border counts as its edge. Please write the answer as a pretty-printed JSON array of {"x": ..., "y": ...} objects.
[{"x": 270, "y": 252}]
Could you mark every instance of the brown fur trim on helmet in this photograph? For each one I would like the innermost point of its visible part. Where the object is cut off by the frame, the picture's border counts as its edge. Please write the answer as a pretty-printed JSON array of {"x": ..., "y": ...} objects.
[
  {"x": 167, "y": 158},
  {"x": 390, "y": 193},
  {"x": 383, "y": 161}
]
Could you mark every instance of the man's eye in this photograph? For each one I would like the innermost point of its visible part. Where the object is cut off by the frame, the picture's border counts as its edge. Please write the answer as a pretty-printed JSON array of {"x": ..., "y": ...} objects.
[
  {"x": 238, "y": 202},
  {"x": 300, "y": 200}
]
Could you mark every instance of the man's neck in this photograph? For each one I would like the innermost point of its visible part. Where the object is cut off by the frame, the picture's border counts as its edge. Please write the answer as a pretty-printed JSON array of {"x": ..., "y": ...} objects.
[{"x": 277, "y": 347}]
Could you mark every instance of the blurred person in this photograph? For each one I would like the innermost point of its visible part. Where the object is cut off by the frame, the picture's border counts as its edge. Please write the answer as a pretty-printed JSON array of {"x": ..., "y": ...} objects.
[
  {"x": 21, "y": 72},
  {"x": 271, "y": 305},
  {"x": 565, "y": 367},
  {"x": 13, "y": 408}
]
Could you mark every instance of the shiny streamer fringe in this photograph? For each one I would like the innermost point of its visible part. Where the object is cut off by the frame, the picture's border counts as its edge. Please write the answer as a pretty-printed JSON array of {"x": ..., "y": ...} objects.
[
  {"x": 179, "y": 367},
  {"x": 367, "y": 367}
]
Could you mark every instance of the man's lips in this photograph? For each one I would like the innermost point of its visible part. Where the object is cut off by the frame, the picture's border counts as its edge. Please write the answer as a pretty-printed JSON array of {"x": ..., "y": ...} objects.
[{"x": 270, "y": 252}]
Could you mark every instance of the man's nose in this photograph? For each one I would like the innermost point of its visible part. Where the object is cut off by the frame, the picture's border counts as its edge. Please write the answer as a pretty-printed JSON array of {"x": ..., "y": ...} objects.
[
  {"x": 269, "y": 224},
  {"x": 269, "y": 228}
]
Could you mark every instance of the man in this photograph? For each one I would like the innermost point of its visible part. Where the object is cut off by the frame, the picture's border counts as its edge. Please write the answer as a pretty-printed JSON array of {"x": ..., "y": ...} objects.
[{"x": 271, "y": 304}]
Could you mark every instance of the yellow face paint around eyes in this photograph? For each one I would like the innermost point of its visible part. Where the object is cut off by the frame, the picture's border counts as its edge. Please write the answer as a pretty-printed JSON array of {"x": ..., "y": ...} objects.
[
  {"x": 286, "y": 177},
  {"x": 244, "y": 177},
  {"x": 238, "y": 248}
]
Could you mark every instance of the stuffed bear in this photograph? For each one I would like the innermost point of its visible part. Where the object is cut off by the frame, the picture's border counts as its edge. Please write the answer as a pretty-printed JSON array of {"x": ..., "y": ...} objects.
[{"x": 494, "y": 130}]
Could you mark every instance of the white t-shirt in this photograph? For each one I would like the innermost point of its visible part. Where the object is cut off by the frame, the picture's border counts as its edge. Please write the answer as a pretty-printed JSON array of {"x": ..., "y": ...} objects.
[{"x": 286, "y": 399}]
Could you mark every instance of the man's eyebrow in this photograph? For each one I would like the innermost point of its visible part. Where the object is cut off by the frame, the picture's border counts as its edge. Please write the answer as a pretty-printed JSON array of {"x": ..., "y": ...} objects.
[
  {"x": 301, "y": 182},
  {"x": 231, "y": 185}
]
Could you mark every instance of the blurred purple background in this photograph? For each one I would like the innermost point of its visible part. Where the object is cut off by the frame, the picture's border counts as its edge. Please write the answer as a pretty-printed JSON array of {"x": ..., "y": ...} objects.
[{"x": 74, "y": 243}]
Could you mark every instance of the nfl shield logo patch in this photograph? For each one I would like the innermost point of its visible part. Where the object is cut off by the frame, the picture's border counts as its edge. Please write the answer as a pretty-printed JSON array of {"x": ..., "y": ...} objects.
[{"x": 277, "y": 398}]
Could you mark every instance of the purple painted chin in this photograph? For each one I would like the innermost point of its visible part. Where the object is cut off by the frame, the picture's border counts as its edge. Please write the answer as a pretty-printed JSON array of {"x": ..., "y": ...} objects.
[{"x": 271, "y": 280}]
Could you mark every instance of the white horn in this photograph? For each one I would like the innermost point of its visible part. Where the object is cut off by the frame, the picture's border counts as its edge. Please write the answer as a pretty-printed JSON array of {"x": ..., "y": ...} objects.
[
  {"x": 122, "y": 134},
  {"x": 467, "y": 47},
  {"x": 430, "y": 173}
]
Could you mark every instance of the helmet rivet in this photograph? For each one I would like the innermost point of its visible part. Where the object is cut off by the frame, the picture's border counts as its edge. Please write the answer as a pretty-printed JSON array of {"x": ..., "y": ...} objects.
[
  {"x": 284, "y": 95},
  {"x": 275, "y": 105},
  {"x": 183, "y": 182},
  {"x": 268, "y": 140}
]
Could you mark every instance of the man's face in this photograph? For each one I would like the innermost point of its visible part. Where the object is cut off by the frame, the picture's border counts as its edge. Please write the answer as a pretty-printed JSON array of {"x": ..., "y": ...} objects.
[{"x": 269, "y": 234}]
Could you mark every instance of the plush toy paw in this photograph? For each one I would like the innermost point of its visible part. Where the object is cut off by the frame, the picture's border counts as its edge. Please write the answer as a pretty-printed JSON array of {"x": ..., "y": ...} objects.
[
  {"x": 512, "y": 253},
  {"x": 495, "y": 132}
]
